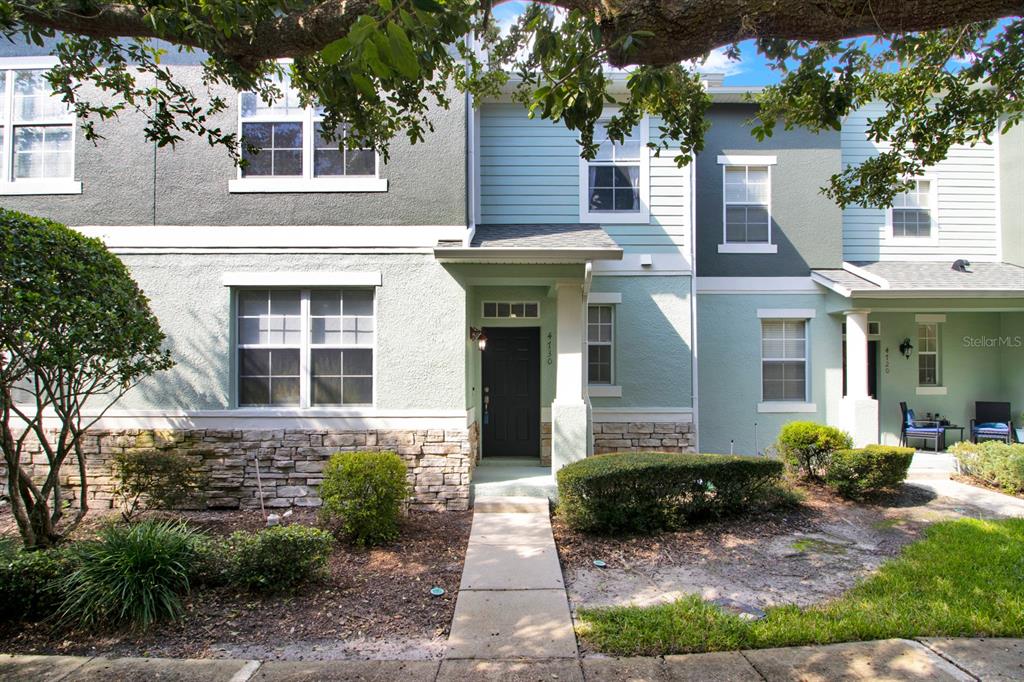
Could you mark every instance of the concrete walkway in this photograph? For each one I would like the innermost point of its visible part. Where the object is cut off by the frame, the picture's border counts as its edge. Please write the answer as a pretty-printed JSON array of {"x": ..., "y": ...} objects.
[
  {"x": 512, "y": 601},
  {"x": 893, "y": 659}
]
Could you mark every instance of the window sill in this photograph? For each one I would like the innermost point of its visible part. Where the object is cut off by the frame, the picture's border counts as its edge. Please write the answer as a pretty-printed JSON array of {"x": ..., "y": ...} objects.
[
  {"x": 748, "y": 248},
  {"x": 604, "y": 391},
  {"x": 613, "y": 218},
  {"x": 931, "y": 390},
  {"x": 303, "y": 185},
  {"x": 784, "y": 406},
  {"x": 23, "y": 187}
]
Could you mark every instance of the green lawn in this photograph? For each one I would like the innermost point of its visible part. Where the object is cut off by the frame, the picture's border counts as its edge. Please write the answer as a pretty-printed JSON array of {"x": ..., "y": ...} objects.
[{"x": 965, "y": 578}]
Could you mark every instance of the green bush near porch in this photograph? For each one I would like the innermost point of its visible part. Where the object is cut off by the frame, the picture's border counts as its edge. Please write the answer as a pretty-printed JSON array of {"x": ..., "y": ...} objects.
[
  {"x": 805, "y": 447},
  {"x": 867, "y": 471},
  {"x": 651, "y": 491},
  {"x": 363, "y": 494},
  {"x": 994, "y": 462},
  {"x": 963, "y": 580}
]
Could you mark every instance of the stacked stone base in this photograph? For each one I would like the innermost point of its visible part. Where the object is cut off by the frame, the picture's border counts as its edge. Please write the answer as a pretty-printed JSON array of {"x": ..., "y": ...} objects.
[
  {"x": 290, "y": 463},
  {"x": 644, "y": 436}
]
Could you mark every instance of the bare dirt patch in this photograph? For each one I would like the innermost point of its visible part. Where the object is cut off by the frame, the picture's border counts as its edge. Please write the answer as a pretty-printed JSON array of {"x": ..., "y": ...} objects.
[
  {"x": 796, "y": 556},
  {"x": 371, "y": 604}
]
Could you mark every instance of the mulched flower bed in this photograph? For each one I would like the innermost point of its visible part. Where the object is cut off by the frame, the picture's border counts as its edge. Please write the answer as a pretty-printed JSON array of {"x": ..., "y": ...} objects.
[{"x": 371, "y": 603}]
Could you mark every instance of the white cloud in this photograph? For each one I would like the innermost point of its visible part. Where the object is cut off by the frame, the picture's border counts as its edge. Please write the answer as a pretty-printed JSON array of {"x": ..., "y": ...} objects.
[{"x": 718, "y": 62}]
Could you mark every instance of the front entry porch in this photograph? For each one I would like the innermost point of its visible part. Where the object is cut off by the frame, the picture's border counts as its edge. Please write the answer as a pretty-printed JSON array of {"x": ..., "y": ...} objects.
[{"x": 512, "y": 477}]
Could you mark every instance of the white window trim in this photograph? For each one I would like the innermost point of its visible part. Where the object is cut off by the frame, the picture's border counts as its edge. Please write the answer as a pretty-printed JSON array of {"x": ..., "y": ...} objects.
[
  {"x": 30, "y": 186},
  {"x": 306, "y": 183},
  {"x": 604, "y": 298},
  {"x": 933, "y": 208},
  {"x": 931, "y": 389},
  {"x": 786, "y": 313},
  {"x": 726, "y": 160},
  {"x": 808, "y": 406},
  {"x": 295, "y": 280},
  {"x": 620, "y": 217},
  {"x": 305, "y": 351},
  {"x": 611, "y": 389}
]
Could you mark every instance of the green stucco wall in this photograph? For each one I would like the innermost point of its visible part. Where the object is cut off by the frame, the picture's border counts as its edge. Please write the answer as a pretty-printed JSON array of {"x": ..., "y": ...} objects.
[
  {"x": 729, "y": 361},
  {"x": 420, "y": 338},
  {"x": 653, "y": 344}
]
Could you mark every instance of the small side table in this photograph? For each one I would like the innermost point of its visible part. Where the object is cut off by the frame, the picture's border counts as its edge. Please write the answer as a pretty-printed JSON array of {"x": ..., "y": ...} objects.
[{"x": 952, "y": 427}]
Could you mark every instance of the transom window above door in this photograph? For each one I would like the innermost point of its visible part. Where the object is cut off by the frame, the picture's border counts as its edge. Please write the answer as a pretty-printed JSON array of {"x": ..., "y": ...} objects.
[
  {"x": 511, "y": 310},
  {"x": 37, "y": 132},
  {"x": 305, "y": 347},
  {"x": 285, "y": 148},
  {"x": 615, "y": 184}
]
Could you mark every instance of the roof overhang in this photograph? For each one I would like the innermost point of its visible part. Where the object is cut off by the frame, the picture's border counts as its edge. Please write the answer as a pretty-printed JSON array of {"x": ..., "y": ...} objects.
[{"x": 483, "y": 254}]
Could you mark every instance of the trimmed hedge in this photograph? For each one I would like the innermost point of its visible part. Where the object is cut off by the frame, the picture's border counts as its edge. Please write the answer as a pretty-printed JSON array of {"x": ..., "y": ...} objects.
[
  {"x": 643, "y": 492},
  {"x": 273, "y": 560},
  {"x": 994, "y": 462},
  {"x": 363, "y": 494},
  {"x": 30, "y": 582},
  {"x": 867, "y": 471},
  {"x": 805, "y": 447}
]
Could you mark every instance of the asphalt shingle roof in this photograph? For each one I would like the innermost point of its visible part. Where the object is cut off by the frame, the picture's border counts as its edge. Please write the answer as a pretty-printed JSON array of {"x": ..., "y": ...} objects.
[
  {"x": 914, "y": 276},
  {"x": 542, "y": 236}
]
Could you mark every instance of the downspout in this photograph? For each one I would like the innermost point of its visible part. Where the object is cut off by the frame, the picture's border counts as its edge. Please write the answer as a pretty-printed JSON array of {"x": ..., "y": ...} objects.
[
  {"x": 693, "y": 305},
  {"x": 470, "y": 171}
]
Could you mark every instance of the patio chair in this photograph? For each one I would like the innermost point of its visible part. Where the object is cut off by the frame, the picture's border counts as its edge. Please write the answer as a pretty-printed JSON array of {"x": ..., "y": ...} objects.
[
  {"x": 919, "y": 428},
  {"x": 991, "y": 422}
]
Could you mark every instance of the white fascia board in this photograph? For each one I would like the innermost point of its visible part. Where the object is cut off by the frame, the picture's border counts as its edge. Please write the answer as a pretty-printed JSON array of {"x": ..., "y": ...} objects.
[
  {"x": 746, "y": 160},
  {"x": 604, "y": 298},
  {"x": 233, "y": 237},
  {"x": 525, "y": 255},
  {"x": 786, "y": 313},
  {"x": 865, "y": 275},
  {"x": 301, "y": 279}
]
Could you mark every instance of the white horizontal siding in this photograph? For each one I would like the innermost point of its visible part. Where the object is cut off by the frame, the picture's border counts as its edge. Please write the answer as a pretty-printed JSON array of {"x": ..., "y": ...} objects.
[
  {"x": 966, "y": 210},
  {"x": 529, "y": 172}
]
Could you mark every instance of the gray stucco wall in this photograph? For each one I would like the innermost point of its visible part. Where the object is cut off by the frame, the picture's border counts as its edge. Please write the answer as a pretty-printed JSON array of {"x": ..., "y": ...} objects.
[
  {"x": 420, "y": 340},
  {"x": 1011, "y": 189},
  {"x": 806, "y": 225},
  {"x": 427, "y": 181}
]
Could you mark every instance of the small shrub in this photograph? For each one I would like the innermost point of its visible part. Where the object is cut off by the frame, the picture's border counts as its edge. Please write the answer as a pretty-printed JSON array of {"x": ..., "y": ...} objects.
[
  {"x": 277, "y": 559},
  {"x": 164, "y": 479},
  {"x": 867, "y": 471},
  {"x": 643, "y": 492},
  {"x": 805, "y": 447},
  {"x": 30, "y": 582},
  {"x": 994, "y": 462},
  {"x": 363, "y": 494},
  {"x": 132, "y": 575}
]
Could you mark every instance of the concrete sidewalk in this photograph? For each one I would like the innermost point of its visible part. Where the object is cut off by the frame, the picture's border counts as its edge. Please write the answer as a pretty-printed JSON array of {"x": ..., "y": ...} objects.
[{"x": 892, "y": 659}]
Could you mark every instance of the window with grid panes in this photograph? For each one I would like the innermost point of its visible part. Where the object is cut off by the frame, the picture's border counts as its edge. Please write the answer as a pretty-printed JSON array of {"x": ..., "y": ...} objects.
[
  {"x": 305, "y": 347},
  {"x": 37, "y": 135},
  {"x": 600, "y": 343},
  {"x": 784, "y": 360},
  {"x": 747, "y": 216},
  {"x": 928, "y": 354},
  {"x": 912, "y": 211}
]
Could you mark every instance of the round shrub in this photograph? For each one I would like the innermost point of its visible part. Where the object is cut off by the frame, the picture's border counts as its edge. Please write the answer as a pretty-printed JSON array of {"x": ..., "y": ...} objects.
[
  {"x": 363, "y": 494},
  {"x": 132, "y": 575},
  {"x": 644, "y": 492},
  {"x": 30, "y": 582},
  {"x": 277, "y": 559},
  {"x": 805, "y": 447},
  {"x": 867, "y": 471}
]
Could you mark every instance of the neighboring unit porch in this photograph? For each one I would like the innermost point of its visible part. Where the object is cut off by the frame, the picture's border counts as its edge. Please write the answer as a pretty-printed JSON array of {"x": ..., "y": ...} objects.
[{"x": 939, "y": 340}]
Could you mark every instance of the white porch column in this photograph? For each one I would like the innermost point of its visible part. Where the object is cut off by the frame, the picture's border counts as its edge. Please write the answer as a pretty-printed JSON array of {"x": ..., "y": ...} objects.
[
  {"x": 859, "y": 410},
  {"x": 569, "y": 408}
]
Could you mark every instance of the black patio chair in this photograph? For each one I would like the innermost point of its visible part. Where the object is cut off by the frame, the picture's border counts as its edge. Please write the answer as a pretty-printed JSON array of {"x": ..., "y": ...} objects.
[{"x": 991, "y": 421}]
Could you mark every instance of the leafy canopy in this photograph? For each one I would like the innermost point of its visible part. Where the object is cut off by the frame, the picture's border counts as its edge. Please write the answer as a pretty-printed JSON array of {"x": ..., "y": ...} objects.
[{"x": 946, "y": 73}]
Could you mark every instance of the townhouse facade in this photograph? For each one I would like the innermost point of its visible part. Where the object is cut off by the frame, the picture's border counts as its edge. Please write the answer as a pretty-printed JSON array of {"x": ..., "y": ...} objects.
[{"x": 487, "y": 293}]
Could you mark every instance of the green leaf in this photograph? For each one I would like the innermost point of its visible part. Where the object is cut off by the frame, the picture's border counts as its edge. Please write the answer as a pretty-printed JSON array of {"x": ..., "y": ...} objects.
[
  {"x": 403, "y": 56},
  {"x": 428, "y": 6},
  {"x": 332, "y": 52}
]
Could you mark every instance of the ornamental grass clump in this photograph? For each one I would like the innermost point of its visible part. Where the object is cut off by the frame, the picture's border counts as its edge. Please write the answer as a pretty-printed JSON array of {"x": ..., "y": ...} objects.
[
  {"x": 363, "y": 495},
  {"x": 133, "y": 575},
  {"x": 651, "y": 491},
  {"x": 856, "y": 474}
]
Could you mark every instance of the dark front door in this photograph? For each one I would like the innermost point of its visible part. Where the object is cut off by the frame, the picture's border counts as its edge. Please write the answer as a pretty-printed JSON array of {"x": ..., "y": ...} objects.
[{"x": 511, "y": 392}]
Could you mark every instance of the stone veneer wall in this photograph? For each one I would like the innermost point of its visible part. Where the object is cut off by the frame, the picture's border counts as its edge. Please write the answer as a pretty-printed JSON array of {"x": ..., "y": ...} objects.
[
  {"x": 634, "y": 436},
  {"x": 545, "y": 444},
  {"x": 291, "y": 462}
]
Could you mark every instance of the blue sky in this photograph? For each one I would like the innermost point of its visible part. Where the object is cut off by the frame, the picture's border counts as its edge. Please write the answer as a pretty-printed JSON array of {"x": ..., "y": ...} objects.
[{"x": 749, "y": 70}]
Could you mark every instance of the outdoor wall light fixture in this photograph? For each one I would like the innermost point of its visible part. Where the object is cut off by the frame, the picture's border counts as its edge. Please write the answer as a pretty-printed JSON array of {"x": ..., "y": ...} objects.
[
  {"x": 478, "y": 335},
  {"x": 906, "y": 348}
]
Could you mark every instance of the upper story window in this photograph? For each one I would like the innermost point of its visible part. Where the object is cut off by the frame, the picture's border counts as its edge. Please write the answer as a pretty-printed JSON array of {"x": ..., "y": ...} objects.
[
  {"x": 292, "y": 153},
  {"x": 305, "y": 347},
  {"x": 615, "y": 185},
  {"x": 38, "y": 132},
  {"x": 911, "y": 213},
  {"x": 746, "y": 204}
]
